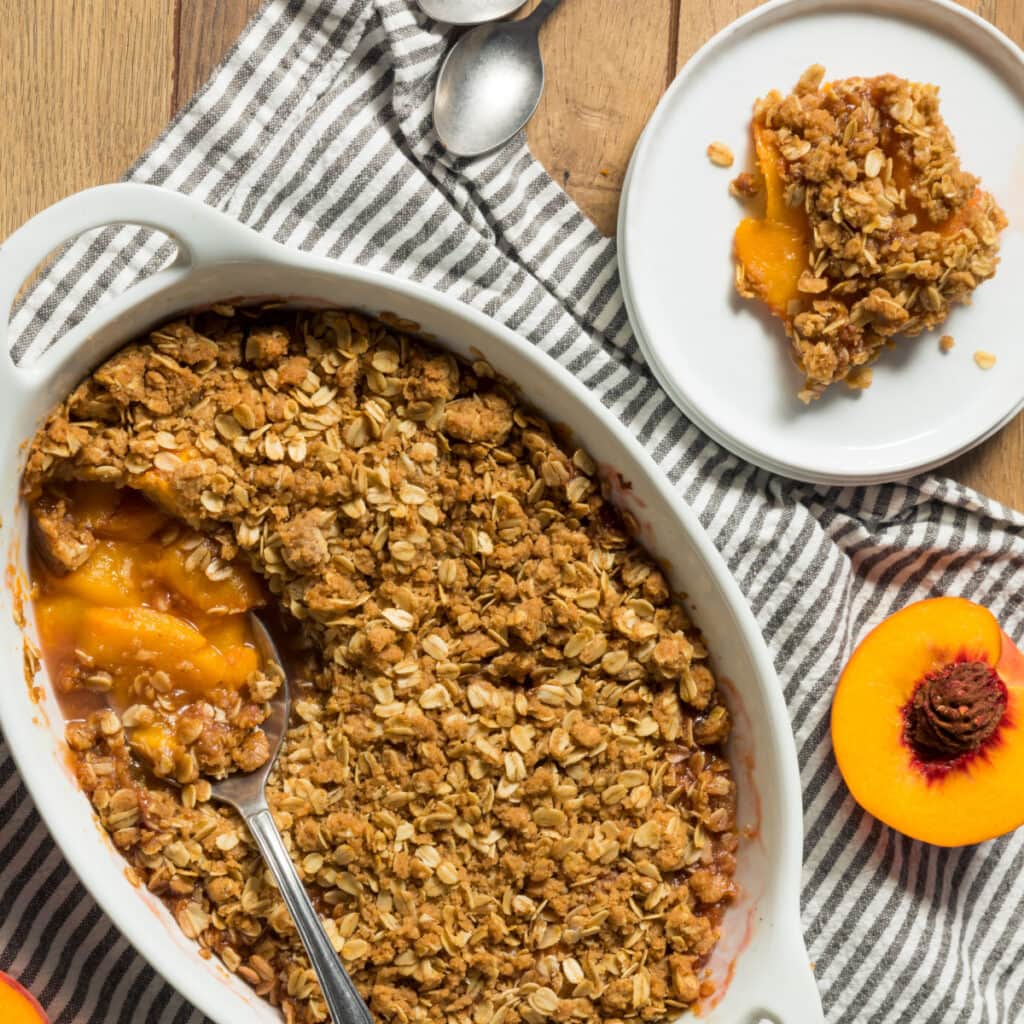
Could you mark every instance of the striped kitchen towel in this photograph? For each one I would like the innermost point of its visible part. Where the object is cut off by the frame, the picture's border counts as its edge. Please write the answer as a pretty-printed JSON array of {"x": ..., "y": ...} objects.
[{"x": 316, "y": 130}]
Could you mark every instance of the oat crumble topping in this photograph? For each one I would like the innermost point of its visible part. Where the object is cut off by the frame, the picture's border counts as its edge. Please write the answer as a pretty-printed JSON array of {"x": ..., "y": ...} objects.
[
  {"x": 504, "y": 784},
  {"x": 893, "y": 231}
]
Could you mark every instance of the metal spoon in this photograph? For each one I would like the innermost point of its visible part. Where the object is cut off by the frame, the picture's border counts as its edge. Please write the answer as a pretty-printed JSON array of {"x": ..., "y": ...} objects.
[
  {"x": 490, "y": 84},
  {"x": 246, "y": 792},
  {"x": 468, "y": 12}
]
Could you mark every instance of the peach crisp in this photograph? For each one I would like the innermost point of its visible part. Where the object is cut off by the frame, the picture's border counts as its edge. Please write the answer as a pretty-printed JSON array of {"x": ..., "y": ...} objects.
[
  {"x": 504, "y": 784},
  {"x": 137, "y": 615},
  {"x": 870, "y": 227}
]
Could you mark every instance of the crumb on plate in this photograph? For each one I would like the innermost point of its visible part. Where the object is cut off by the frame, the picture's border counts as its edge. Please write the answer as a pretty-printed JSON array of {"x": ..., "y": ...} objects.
[{"x": 720, "y": 154}]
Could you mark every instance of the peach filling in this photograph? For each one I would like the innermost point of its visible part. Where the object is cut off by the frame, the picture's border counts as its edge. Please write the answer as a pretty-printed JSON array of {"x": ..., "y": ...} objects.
[
  {"x": 773, "y": 250},
  {"x": 150, "y": 618}
]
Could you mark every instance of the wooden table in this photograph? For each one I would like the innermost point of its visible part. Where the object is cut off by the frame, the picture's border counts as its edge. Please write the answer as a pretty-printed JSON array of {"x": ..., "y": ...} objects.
[{"x": 88, "y": 84}]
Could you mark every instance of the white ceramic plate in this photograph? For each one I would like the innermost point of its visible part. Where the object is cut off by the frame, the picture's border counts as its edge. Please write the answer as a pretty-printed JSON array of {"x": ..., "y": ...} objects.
[
  {"x": 725, "y": 362},
  {"x": 762, "y": 950}
]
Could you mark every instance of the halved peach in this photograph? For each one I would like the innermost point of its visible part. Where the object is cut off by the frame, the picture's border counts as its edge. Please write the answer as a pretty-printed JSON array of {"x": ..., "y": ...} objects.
[
  {"x": 17, "y": 1005},
  {"x": 928, "y": 723}
]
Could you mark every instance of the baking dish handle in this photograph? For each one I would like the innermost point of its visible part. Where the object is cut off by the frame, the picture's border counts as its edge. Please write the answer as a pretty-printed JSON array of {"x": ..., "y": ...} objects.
[
  {"x": 763, "y": 974},
  {"x": 788, "y": 993},
  {"x": 203, "y": 235}
]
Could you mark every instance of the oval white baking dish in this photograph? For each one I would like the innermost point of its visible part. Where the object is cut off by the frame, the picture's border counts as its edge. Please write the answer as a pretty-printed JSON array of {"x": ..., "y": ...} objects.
[{"x": 761, "y": 963}]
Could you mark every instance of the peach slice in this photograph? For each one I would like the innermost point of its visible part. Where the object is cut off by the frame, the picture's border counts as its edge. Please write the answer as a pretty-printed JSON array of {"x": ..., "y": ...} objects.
[
  {"x": 136, "y": 520},
  {"x": 17, "y": 1005},
  {"x": 58, "y": 618},
  {"x": 903, "y": 177},
  {"x": 773, "y": 250},
  {"x": 928, "y": 723},
  {"x": 237, "y": 591},
  {"x": 241, "y": 663},
  {"x": 118, "y": 638},
  {"x": 773, "y": 256},
  {"x": 113, "y": 513},
  {"x": 109, "y": 577},
  {"x": 232, "y": 636},
  {"x": 93, "y": 503},
  {"x": 157, "y": 484},
  {"x": 158, "y": 489}
]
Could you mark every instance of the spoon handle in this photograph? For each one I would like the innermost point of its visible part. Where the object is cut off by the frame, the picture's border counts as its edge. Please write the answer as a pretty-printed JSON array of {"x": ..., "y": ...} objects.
[
  {"x": 344, "y": 1002},
  {"x": 543, "y": 11}
]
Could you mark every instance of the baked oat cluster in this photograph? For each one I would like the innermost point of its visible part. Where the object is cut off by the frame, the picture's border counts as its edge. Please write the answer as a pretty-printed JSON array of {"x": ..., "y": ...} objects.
[
  {"x": 897, "y": 232},
  {"x": 504, "y": 784}
]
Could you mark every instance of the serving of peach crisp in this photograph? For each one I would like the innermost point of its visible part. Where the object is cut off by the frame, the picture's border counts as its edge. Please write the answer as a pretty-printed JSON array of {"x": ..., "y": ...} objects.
[
  {"x": 504, "y": 783},
  {"x": 870, "y": 229}
]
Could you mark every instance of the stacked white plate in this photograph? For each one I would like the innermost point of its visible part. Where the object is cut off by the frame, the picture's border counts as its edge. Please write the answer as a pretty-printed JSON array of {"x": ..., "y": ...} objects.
[{"x": 723, "y": 360}]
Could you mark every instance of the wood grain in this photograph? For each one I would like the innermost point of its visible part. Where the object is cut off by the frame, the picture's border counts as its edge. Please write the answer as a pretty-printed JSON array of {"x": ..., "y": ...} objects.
[
  {"x": 599, "y": 94},
  {"x": 702, "y": 21},
  {"x": 204, "y": 31},
  {"x": 87, "y": 85}
]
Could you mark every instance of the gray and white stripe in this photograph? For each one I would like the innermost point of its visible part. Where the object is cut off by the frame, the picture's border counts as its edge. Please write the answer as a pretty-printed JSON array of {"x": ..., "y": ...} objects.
[{"x": 316, "y": 131}]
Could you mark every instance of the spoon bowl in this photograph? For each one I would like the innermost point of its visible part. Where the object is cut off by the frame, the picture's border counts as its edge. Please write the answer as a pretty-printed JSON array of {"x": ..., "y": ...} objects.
[
  {"x": 468, "y": 12},
  {"x": 490, "y": 84},
  {"x": 246, "y": 792}
]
